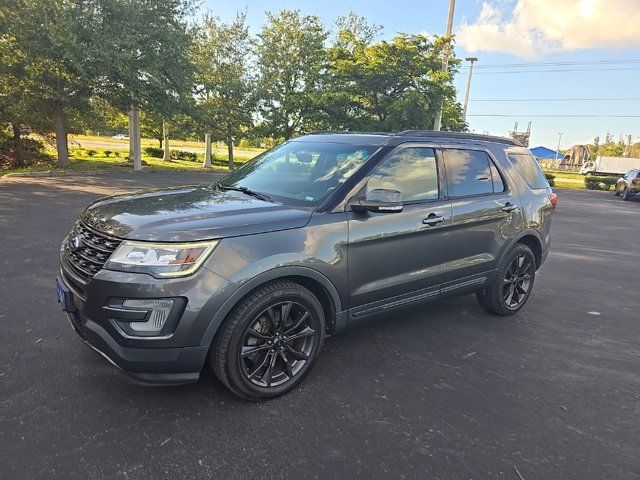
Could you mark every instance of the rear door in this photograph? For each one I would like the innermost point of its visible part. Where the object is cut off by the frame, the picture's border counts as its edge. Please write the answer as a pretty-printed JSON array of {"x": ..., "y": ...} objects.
[
  {"x": 486, "y": 214},
  {"x": 398, "y": 258}
]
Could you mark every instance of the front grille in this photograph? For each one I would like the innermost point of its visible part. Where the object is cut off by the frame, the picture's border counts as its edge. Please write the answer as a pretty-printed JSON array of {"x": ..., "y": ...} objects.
[{"x": 87, "y": 250}]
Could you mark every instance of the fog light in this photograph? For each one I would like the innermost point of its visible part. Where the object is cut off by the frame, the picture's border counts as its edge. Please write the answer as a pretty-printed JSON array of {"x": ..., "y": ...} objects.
[{"x": 159, "y": 312}]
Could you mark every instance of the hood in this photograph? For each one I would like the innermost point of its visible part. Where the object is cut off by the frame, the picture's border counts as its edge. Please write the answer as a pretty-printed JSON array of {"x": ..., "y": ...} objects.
[{"x": 188, "y": 214}]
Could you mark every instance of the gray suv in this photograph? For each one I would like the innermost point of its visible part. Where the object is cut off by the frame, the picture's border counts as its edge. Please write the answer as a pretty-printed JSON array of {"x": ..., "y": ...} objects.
[{"x": 322, "y": 232}]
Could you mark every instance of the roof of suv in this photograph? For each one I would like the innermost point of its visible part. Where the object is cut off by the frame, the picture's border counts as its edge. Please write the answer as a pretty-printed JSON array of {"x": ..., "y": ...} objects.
[{"x": 382, "y": 138}]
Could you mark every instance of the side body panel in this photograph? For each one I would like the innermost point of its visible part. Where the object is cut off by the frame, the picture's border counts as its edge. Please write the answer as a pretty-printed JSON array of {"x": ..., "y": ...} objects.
[{"x": 480, "y": 229}]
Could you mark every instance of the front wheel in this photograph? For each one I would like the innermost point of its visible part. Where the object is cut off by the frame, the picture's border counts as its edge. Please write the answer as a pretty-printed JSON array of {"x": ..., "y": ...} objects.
[
  {"x": 270, "y": 341},
  {"x": 625, "y": 194},
  {"x": 616, "y": 192},
  {"x": 513, "y": 284}
]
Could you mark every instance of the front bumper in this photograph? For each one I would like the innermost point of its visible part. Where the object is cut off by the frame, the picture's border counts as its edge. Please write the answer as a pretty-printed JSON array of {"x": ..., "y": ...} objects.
[
  {"x": 158, "y": 366},
  {"x": 174, "y": 358}
]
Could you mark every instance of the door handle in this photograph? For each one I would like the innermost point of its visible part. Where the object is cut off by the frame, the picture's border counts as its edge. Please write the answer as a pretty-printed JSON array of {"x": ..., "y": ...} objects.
[
  {"x": 508, "y": 207},
  {"x": 432, "y": 220}
]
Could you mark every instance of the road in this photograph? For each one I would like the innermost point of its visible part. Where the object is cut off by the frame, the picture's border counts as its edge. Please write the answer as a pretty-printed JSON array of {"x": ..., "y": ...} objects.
[{"x": 448, "y": 391}]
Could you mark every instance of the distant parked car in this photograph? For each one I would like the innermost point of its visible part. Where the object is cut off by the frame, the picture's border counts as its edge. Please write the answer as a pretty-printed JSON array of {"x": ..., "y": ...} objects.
[
  {"x": 120, "y": 136},
  {"x": 628, "y": 185}
]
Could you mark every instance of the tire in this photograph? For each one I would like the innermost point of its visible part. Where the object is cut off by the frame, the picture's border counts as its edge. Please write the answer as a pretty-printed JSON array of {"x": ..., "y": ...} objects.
[
  {"x": 616, "y": 192},
  {"x": 259, "y": 357},
  {"x": 510, "y": 280},
  {"x": 625, "y": 194}
]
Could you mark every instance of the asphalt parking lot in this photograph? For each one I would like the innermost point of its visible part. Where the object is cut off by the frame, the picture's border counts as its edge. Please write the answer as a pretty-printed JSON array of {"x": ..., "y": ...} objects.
[{"x": 445, "y": 392}]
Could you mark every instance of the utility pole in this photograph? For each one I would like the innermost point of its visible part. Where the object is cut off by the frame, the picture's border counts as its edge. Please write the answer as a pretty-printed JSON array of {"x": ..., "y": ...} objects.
[
  {"x": 466, "y": 95},
  {"x": 558, "y": 149},
  {"x": 445, "y": 62}
]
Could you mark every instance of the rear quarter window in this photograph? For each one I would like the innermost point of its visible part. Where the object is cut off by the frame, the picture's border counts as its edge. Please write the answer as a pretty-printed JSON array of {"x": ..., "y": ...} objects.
[{"x": 529, "y": 169}]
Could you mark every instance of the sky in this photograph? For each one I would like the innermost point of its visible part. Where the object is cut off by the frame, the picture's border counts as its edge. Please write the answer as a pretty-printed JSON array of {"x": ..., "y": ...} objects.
[{"x": 566, "y": 58}]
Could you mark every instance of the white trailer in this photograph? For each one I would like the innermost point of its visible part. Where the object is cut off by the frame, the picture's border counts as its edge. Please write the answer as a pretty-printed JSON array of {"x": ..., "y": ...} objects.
[{"x": 609, "y": 165}]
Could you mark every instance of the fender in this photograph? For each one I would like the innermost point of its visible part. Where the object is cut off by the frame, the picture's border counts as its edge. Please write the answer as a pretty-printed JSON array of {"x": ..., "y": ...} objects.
[
  {"x": 514, "y": 240},
  {"x": 265, "y": 277}
]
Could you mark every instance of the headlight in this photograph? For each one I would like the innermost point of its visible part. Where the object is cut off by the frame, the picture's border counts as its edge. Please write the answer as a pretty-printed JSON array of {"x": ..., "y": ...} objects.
[{"x": 161, "y": 260}]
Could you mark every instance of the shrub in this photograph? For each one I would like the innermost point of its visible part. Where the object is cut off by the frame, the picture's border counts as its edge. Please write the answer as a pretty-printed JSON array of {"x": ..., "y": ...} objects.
[
  {"x": 551, "y": 178},
  {"x": 182, "y": 155},
  {"x": 599, "y": 183},
  {"x": 154, "y": 152},
  {"x": 91, "y": 153},
  {"x": 28, "y": 151},
  {"x": 107, "y": 153}
]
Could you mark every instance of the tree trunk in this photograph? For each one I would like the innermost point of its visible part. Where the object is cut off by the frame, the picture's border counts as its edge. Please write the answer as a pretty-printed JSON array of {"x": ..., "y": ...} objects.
[
  {"x": 230, "y": 150},
  {"x": 207, "y": 150},
  {"x": 135, "y": 153},
  {"x": 165, "y": 134},
  {"x": 131, "y": 141},
  {"x": 159, "y": 141},
  {"x": 61, "y": 134},
  {"x": 19, "y": 159}
]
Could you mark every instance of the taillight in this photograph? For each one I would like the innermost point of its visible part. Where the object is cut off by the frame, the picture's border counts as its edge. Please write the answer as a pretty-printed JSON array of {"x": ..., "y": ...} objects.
[{"x": 553, "y": 198}]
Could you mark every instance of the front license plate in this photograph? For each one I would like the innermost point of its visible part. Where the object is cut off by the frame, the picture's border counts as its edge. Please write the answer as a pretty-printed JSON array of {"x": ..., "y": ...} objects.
[{"x": 64, "y": 297}]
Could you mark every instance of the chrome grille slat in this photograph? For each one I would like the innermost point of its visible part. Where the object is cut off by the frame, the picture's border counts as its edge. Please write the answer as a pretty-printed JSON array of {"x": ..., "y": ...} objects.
[{"x": 93, "y": 251}]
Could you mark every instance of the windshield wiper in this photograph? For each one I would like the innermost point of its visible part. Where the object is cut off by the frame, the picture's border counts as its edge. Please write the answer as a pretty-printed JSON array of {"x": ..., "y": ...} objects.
[{"x": 246, "y": 191}]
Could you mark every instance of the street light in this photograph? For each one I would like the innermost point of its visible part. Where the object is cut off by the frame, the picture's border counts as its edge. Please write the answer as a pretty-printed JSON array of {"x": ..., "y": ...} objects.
[{"x": 472, "y": 60}]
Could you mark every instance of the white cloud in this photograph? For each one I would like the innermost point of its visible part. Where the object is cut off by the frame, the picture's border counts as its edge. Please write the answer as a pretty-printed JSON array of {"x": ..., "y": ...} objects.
[{"x": 535, "y": 27}]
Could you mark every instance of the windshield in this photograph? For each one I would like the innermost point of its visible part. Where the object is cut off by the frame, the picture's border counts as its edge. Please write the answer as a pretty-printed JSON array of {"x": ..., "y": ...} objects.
[{"x": 300, "y": 173}]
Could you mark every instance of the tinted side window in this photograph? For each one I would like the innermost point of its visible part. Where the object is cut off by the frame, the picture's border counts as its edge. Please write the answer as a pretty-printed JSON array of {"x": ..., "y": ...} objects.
[
  {"x": 412, "y": 171},
  {"x": 529, "y": 169},
  {"x": 469, "y": 172}
]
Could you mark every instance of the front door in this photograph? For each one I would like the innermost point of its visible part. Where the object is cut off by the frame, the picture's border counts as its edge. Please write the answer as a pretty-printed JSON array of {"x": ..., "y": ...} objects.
[{"x": 398, "y": 258}]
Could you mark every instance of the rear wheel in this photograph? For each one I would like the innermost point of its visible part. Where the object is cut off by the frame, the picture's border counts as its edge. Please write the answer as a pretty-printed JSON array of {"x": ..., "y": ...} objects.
[
  {"x": 513, "y": 284},
  {"x": 270, "y": 341}
]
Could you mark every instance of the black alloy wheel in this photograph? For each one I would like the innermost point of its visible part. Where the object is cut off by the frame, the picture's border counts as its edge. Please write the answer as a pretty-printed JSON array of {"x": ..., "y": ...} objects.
[
  {"x": 513, "y": 283},
  {"x": 270, "y": 341},
  {"x": 277, "y": 344},
  {"x": 517, "y": 281}
]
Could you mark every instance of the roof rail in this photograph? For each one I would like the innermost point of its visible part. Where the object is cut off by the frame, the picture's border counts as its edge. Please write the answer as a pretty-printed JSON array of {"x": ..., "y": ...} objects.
[
  {"x": 460, "y": 135},
  {"x": 344, "y": 132}
]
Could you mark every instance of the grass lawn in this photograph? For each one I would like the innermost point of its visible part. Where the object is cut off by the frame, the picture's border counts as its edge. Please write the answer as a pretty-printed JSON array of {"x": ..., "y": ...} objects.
[
  {"x": 87, "y": 159},
  {"x": 568, "y": 179},
  {"x": 95, "y": 141}
]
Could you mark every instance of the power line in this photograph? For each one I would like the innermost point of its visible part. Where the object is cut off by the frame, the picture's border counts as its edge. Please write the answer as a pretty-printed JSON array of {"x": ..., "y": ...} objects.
[
  {"x": 560, "y": 70},
  {"x": 550, "y": 115},
  {"x": 555, "y": 100},
  {"x": 556, "y": 64}
]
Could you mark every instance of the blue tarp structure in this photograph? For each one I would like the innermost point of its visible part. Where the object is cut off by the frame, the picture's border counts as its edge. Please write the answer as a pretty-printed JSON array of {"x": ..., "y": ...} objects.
[{"x": 545, "y": 153}]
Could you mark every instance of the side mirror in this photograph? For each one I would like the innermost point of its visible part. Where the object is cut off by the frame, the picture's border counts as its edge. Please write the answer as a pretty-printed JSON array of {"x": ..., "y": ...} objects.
[{"x": 380, "y": 200}]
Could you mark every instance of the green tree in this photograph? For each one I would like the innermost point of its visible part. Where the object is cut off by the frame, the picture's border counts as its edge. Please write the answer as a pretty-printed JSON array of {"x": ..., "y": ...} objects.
[
  {"x": 387, "y": 85},
  {"x": 225, "y": 85},
  {"x": 152, "y": 127},
  {"x": 48, "y": 54},
  {"x": 147, "y": 66},
  {"x": 290, "y": 56}
]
